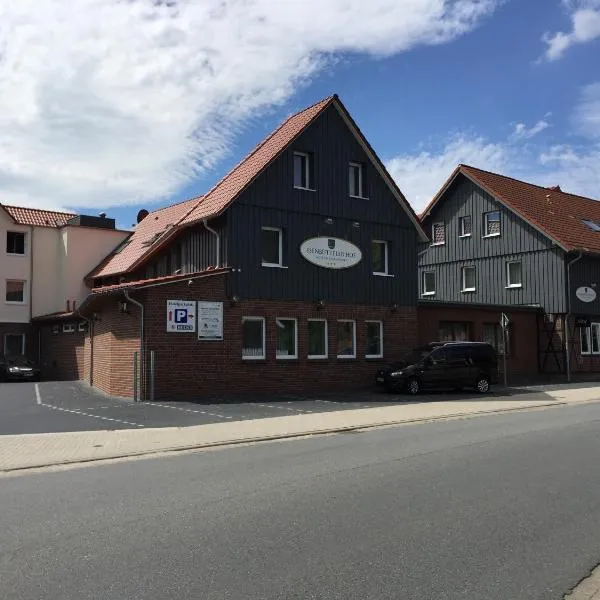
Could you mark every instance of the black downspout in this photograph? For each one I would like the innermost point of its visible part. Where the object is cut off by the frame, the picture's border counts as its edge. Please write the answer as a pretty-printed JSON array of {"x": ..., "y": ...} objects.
[{"x": 142, "y": 358}]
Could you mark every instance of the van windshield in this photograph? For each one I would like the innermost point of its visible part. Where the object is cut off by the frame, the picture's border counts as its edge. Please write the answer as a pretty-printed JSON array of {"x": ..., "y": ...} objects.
[{"x": 415, "y": 356}]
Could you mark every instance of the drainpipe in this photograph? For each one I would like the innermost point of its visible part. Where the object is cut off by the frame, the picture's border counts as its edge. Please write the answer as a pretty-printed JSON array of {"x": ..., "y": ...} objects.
[
  {"x": 39, "y": 349},
  {"x": 216, "y": 234},
  {"x": 568, "y": 315},
  {"x": 90, "y": 324},
  {"x": 142, "y": 341}
]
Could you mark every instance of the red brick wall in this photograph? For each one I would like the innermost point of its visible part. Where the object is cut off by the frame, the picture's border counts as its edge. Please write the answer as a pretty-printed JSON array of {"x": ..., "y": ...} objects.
[
  {"x": 61, "y": 356},
  {"x": 187, "y": 368},
  {"x": 581, "y": 363},
  {"x": 523, "y": 362}
]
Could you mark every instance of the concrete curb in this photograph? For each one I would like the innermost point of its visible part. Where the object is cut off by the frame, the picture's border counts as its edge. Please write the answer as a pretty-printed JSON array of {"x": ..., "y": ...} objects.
[{"x": 275, "y": 437}]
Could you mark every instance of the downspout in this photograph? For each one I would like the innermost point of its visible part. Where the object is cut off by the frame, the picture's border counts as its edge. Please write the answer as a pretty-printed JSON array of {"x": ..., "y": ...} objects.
[
  {"x": 142, "y": 357},
  {"x": 90, "y": 324},
  {"x": 39, "y": 341},
  {"x": 568, "y": 315},
  {"x": 218, "y": 240}
]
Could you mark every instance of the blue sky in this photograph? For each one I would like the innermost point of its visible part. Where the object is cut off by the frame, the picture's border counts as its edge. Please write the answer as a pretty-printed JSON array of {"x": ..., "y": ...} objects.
[{"x": 127, "y": 122}]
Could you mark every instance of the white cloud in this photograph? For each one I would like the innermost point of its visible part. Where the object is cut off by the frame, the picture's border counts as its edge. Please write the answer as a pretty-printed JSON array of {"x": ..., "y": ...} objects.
[
  {"x": 521, "y": 131},
  {"x": 110, "y": 102},
  {"x": 585, "y": 27},
  {"x": 586, "y": 116}
]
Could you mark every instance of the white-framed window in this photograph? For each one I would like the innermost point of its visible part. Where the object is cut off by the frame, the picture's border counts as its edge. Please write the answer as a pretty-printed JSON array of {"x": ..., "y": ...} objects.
[
  {"x": 374, "y": 339},
  {"x": 438, "y": 234},
  {"x": 468, "y": 279},
  {"x": 465, "y": 226},
  {"x": 317, "y": 338},
  {"x": 68, "y": 327},
  {"x": 82, "y": 327},
  {"x": 514, "y": 274},
  {"x": 428, "y": 283},
  {"x": 15, "y": 291},
  {"x": 271, "y": 246},
  {"x": 16, "y": 242},
  {"x": 302, "y": 170},
  {"x": 346, "y": 338},
  {"x": 355, "y": 175},
  {"x": 590, "y": 339},
  {"x": 14, "y": 344},
  {"x": 287, "y": 338},
  {"x": 491, "y": 223},
  {"x": 380, "y": 257},
  {"x": 253, "y": 338}
]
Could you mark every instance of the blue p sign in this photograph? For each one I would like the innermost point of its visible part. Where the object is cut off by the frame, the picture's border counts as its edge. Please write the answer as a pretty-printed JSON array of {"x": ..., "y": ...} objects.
[{"x": 181, "y": 315}]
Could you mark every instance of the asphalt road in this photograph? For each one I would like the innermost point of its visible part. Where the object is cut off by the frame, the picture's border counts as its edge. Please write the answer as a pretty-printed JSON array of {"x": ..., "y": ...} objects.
[{"x": 497, "y": 507}]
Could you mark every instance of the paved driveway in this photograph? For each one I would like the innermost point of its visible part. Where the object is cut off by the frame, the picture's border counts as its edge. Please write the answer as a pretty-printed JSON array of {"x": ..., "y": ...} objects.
[{"x": 74, "y": 406}]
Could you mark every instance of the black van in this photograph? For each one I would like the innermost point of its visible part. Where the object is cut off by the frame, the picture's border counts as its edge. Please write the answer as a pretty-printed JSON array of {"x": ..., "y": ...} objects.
[{"x": 443, "y": 365}]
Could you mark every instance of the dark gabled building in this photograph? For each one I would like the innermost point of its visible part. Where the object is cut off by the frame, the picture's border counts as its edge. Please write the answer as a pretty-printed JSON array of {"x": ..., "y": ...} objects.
[
  {"x": 498, "y": 241},
  {"x": 296, "y": 271}
]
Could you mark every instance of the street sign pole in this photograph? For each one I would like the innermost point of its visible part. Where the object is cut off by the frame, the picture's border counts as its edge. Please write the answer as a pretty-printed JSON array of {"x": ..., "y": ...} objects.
[{"x": 504, "y": 323}]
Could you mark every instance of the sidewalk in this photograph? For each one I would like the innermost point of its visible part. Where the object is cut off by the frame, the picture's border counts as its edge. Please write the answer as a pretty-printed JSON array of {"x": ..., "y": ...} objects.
[{"x": 26, "y": 451}]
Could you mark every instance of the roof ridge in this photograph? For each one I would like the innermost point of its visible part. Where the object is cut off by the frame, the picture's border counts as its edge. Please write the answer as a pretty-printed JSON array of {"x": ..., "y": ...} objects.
[
  {"x": 56, "y": 212},
  {"x": 156, "y": 210}
]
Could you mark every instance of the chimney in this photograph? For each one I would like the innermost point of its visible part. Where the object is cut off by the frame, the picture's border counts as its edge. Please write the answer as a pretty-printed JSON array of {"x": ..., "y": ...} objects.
[
  {"x": 68, "y": 306},
  {"x": 555, "y": 188},
  {"x": 74, "y": 304}
]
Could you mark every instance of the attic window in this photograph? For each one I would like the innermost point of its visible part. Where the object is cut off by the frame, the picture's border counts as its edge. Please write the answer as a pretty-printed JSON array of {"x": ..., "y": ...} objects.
[
  {"x": 121, "y": 247},
  {"x": 151, "y": 240},
  {"x": 591, "y": 224}
]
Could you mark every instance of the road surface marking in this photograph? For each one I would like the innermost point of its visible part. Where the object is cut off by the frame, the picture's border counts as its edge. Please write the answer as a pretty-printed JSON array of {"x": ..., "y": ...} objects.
[
  {"x": 189, "y": 410},
  {"x": 38, "y": 398},
  {"x": 300, "y": 410}
]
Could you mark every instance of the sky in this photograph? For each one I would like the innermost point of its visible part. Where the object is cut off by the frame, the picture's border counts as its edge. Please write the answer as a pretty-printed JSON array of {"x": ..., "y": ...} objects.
[{"x": 117, "y": 105}]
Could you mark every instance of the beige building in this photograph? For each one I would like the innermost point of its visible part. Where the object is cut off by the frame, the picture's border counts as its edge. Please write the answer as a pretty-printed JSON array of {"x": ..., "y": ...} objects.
[{"x": 43, "y": 262}]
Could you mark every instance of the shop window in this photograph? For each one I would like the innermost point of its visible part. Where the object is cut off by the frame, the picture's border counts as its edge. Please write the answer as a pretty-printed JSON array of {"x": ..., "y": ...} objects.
[
  {"x": 68, "y": 328},
  {"x": 355, "y": 172},
  {"x": 465, "y": 226},
  {"x": 15, "y": 242},
  {"x": 15, "y": 291},
  {"x": 438, "y": 234},
  {"x": 468, "y": 279},
  {"x": 451, "y": 331},
  {"x": 287, "y": 338},
  {"x": 303, "y": 177},
  {"x": 317, "y": 338},
  {"x": 14, "y": 344},
  {"x": 492, "y": 334},
  {"x": 491, "y": 223},
  {"x": 428, "y": 284},
  {"x": 346, "y": 338},
  {"x": 514, "y": 274},
  {"x": 272, "y": 247},
  {"x": 253, "y": 338},
  {"x": 374, "y": 339},
  {"x": 590, "y": 339},
  {"x": 380, "y": 257}
]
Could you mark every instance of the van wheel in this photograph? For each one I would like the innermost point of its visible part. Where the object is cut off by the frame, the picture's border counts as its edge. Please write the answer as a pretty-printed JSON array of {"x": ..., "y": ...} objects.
[
  {"x": 482, "y": 385},
  {"x": 413, "y": 386}
]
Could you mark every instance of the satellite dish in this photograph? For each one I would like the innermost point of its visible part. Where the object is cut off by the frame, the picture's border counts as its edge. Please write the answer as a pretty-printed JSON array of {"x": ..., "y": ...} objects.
[{"x": 142, "y": 214}]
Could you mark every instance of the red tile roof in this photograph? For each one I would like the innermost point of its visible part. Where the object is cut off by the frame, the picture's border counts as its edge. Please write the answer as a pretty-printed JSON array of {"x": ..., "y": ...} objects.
[
  {"x": 56, "y": 316},
  {"x": 557, "y": 214},
  {"x": 37, "y": 217}
]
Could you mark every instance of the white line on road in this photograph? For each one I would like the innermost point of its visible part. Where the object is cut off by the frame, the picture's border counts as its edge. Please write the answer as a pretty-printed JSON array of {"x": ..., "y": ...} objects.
[
  {"x": 38, "y": 398},
  {"x": 189, "y": 410},
  {"x": 300, "y": 410}
]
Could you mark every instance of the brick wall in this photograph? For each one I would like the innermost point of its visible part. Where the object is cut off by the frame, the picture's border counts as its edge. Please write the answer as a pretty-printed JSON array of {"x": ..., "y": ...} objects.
[
  {"x": 521, "y": 364},
  {"x": 61, "y": 356},
  {"x": 189, "y": 369}
]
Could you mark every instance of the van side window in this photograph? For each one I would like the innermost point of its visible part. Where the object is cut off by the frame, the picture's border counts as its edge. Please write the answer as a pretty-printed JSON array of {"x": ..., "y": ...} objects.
[
  {"x": 457, "y": 355},
  {"x": 439, "y": 356}
]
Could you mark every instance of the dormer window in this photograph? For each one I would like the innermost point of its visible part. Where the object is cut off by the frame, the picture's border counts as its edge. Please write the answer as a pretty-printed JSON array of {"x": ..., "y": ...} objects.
[
  {"x": 438, "y": 234},
  {"x": 591, "y": 224}
]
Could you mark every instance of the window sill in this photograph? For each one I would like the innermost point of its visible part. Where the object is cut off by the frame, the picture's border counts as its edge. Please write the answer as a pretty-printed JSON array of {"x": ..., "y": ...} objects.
[
  {"x": 468, "y": 290},
  {"x": 358, "y": 197},
  {"x": 273, "y": 266},
  {"x": 438, "y": 244},
  {"x": 323, "y": 357},
  {"x": 253, "y": 358},
  {"x": 514, "y": 286},
  {"x": 15, "y": 303},
  {"x": 465, "y": 235},
  {"x": 428, "y": 294},
  {"x": 374, "y": 356},
  {"x": 286, "y": 357},
  {"x": 490, "y": 235},
  {"x": 377, "y": 274},
  {"x": 346, "y": 357},
  {"x": 297, "y": 187},
  {"x": 24, "y": 255}
]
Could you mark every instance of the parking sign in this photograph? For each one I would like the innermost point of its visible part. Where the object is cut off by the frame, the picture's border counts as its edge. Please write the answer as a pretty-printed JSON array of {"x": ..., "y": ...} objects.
[{"x": 181, "y": 316}]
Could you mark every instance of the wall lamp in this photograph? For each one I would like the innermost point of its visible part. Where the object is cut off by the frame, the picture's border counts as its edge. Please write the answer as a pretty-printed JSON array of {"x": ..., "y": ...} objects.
[
  {"x": 356, "y": 225},
  {"x": 329, "y": 221},
  {"x": 320, "y": 303},
  {"x": 394, "y": 307},
  {"x": 123, "y": 307},
  {"x": 96, "y": 316},
  {"x": 235, "y": 300}
]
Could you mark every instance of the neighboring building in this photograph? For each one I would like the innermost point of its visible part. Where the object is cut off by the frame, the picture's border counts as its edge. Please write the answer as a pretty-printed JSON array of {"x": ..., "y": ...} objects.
[
  {"x": 497, "y": 241},
  {"x": 303, "y": 258},
  {"x": 45, "y": 258}
]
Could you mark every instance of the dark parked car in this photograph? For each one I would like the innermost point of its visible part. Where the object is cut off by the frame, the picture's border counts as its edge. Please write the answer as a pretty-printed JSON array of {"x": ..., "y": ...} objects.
[
  {"x": 443, "y": 365},
  {"x": 18, "y": 368}
]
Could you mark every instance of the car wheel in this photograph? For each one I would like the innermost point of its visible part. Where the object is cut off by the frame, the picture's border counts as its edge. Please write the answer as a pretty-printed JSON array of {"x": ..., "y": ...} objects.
[
  {"x": 482, "y": 385},
  {"x": 413, "y": 386}
]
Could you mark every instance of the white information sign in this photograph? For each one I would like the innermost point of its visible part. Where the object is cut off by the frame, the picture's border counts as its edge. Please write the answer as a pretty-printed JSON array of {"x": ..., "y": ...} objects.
[
  {"x": 586, "y": 294},
  {"x": 330, "y": 252},
  {"x": 181, "y": 316},
  {"x": 210, "y": 320}
]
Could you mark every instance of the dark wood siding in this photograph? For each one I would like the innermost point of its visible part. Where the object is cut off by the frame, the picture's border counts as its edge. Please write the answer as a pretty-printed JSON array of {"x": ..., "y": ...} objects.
[
  {"x": 585, "y": 273},
  {"x": 542, "y": 261}
]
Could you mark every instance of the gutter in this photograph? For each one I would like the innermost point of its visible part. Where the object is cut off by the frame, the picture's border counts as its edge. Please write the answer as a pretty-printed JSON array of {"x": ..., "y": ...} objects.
[
  {"x": 218, "y": 241},
  {"x": 142, "y": 341},
  {"x": 568, "y": 315}
]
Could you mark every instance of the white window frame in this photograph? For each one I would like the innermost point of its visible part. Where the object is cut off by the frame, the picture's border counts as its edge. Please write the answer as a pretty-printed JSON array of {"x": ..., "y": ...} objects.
[
  {"x": 15, "y": 302},
  {"x": 386, "y": 261},
  {"x": 486, "y": 216},
  {"x": 464, "y": 288},
  {"x": 380, "y": 323},
  {"x": 319, "y": 356},
  {"x": 22, "y": 336},
  {"x": 590, "y": 339},
  {"x": 264, "y": 338},
  {"x": 306, "y": 156},
  {"x": 81, "y": 327},
  {"x": 509, "y": 284},
  {"x": 347, "y": 356},
  {"x": 24, "y": 234},
  {"x": 278, "y": 265},
  {"x": 288, "y": 356},
  {"x": 433, "y": 242},
  {"x": 424, "y": 291},
  {"x": 359, "y": 166},
  {"x": 68, "y": 328},
  {"x": 461, "y": 221}
]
